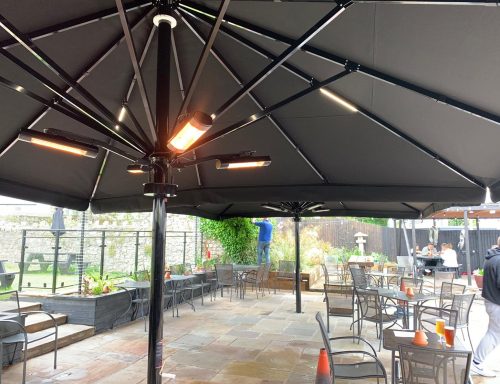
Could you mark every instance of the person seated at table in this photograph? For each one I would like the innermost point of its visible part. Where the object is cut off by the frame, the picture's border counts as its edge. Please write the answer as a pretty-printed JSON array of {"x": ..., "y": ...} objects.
[
  {"x": 429, "y": 250},
  {"x": 449, "y": 256}
]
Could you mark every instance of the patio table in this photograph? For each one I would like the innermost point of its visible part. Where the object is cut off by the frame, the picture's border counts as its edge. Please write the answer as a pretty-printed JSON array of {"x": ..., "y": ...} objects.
[
  {"x": 381, "y": 276},
  {"x": 394, "y": 338},
  {"x": 402, "y": 297},
  {"x": 174, "y": 280},
  {"x": 136, "y": 291},
  {"x": 239, "y": 270}
]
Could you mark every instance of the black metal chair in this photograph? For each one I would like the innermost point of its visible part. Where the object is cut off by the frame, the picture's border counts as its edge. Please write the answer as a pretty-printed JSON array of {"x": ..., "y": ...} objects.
[
  {"x": 286, "y": 272},
  {"x": 255, "y": 278},
  {"x": 426, "y": 366},
  {"x": 226, "y": 278},
  {"x": 332, "y": 276},
  {"x": 13, "y": 331},
  {"x": 339, "y": 300},
  {"x": 427, "y": 316},
  {"x": 367, "y": 366},
  {"x": 373, "y": 308}
]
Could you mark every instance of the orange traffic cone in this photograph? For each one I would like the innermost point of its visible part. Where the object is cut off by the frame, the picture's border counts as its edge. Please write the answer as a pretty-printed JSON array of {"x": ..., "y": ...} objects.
[{"x": 323, "y": 371}]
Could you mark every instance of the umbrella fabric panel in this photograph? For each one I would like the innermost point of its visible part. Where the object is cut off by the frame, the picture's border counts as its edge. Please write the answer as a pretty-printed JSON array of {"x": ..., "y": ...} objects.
[
  {"x": 467, "y": 141},
  {"x": 445, "y": 48}
]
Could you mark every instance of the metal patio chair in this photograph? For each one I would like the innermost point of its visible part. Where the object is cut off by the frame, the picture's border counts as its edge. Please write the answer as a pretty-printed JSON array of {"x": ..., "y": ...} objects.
[
  {"x": 371, "y": 307},
  {"x": 13, "y": 331},
  {"x": 339, "y": 300},
  {"x": 255, "y": 278},
  {"x": 426, "y": 366},
  {"x": 366, "y": 366},
  {"x": 226, "y": 278},
  {"x": 286, "y": 272}
]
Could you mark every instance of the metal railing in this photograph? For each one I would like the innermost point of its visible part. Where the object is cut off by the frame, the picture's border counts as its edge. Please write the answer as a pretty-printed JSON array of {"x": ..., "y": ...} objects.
[{"x": 68, "y": 254}]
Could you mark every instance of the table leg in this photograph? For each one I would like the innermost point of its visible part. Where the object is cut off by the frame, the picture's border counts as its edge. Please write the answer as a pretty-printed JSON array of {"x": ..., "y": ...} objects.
[{"x": 393, "y": 368}]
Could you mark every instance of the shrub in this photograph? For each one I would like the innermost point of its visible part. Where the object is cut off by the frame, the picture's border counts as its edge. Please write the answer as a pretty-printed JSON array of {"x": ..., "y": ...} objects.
[{"x": 238, "y": 237}]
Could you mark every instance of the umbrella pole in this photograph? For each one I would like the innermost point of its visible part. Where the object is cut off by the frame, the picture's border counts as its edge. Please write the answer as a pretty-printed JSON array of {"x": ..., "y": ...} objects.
[
  {"x": 298, "y": 298},
  {"x": 160, "y": 175}
]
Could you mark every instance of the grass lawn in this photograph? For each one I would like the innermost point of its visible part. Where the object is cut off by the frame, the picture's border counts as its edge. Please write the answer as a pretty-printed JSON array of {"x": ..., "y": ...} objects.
[{"x": 36, "y": 280}]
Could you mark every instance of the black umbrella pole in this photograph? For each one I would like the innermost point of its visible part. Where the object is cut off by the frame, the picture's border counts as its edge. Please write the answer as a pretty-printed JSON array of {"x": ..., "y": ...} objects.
[
  {"x": 155, "y": 349},
  {"x": 298, "y": 299}
]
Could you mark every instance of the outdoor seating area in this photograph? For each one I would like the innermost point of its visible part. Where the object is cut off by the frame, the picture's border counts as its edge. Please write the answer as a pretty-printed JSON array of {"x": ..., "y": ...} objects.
[
  {"x": 240, "y": 178},
  {"x": 252, "y": 341}
]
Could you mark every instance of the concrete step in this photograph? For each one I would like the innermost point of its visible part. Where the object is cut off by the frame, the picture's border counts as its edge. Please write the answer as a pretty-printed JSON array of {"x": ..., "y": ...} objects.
[
  {"x": 39, "y": 321},
  {"x": 68, "y": 334},
  {"x": 25, "y": 306}
]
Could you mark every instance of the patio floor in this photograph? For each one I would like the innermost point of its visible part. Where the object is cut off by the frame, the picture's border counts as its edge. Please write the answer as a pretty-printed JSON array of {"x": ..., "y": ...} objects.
[{"x": 244, "y": 341}]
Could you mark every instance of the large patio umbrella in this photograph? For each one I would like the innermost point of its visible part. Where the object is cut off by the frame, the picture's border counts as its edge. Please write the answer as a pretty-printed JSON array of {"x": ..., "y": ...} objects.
[{"x": 374, "y": 108}]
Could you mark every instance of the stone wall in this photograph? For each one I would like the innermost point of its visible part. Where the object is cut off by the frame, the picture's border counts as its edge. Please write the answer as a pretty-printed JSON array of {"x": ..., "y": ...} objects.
[{"x": 120, "y": 231}]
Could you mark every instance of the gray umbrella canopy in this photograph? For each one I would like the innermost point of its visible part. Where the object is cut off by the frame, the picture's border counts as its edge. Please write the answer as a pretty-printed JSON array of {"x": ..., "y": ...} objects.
[{"x": 420, "y": 76}]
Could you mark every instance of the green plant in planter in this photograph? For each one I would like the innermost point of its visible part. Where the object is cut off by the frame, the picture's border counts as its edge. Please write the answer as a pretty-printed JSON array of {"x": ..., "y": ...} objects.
[
  {"x": 95, "y": 285},
  {"x": 141, "y": 276},
  {"x": 478, "y": 272}
]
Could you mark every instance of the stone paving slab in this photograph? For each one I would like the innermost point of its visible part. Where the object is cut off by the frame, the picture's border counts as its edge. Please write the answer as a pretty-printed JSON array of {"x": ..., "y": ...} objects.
[{"x": 250, "y": 341}]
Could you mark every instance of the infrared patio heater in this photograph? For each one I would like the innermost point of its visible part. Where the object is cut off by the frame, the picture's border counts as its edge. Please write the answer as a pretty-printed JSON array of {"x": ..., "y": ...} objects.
[{"x": 169, "y": 151}]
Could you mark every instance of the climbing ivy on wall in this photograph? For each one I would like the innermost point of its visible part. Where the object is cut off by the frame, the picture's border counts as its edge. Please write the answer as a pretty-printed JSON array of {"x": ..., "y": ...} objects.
[{"x": 238, "y": 237}]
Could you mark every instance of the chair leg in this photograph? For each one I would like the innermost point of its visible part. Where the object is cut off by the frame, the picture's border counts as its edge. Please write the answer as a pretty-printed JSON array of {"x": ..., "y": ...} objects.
[{"x": 202, "y": 294}]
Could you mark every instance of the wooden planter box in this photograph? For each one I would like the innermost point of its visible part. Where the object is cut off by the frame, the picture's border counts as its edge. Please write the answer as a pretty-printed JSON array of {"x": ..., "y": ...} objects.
[{"x": 103, "y": 311}]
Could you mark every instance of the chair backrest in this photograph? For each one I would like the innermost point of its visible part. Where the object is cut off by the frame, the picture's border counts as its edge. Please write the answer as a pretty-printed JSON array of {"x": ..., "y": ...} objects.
[
  {"x": 359, "y": 278},
  {"x": 224, "y": 273},
  {"x": 326, "y": 342},
  {"x": 325, "y": 272},
  {"x": 286, "y": 268},
  {"x": 9, "y": 302},
  {"x": 426, "y": 317},
  {"x": 462, "y": 303},
  {"x": 416, "y": 284},
  {"x": 441, "y": 277},
  {"x": 448, "y": 290},
  {"x": 401, "y": 271},
  {"x": 426, "y": 366},
  {"x": 369, "y": 302},
  {"x": 339, "y": 300}
]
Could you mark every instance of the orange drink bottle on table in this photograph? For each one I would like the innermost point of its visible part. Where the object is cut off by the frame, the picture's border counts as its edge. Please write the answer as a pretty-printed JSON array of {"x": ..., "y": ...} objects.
[{"x": 449, "y": 336}]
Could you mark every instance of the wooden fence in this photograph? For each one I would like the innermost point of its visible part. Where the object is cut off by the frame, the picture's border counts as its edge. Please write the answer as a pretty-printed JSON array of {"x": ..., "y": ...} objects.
[{"x": 391, "y": 241}]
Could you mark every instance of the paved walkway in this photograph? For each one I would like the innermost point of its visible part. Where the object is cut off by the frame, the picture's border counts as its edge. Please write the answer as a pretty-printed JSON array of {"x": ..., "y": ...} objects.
[{"x": 244, "y": 342}]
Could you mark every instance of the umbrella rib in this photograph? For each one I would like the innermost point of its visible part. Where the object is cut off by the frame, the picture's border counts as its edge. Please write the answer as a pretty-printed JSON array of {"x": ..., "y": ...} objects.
[
  {"x": 85, "y": 114},
  {"x": 411, "y": 207},
  {"x": 252, "y": 46},
  {"x": 137, "y": 69},
  {"x": 181, "y": 87},
  {"x": 204, "y": 56},
  {"x": 129, "y": 112},
  {"x": 75, "y": 23},
  {"x": 86, "y": 71},
  {"x": 260, "y": 115},
  {"x": 308, "y": 35},
  {"x": 227, "y": 208},
  {"x": 355, "y": 67},
  {"x": 52, "y": 66},
  {"x": 378, "y": 75},
  {"x": 99, "y": 175},
  {"x": 64, "y": 109},
  {"x": 256, "y": 100}
]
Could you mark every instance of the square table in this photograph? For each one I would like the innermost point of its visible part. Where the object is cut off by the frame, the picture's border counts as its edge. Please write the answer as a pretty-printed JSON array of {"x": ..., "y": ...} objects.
[
  {"x": 416, "y": 300},
  {"x": 381, "y": 276},
  {"x": 174, "y": 280},
  {"x": 394, "y": 338}
]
